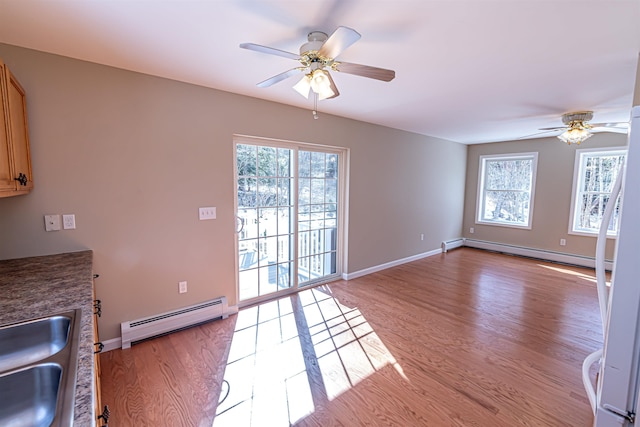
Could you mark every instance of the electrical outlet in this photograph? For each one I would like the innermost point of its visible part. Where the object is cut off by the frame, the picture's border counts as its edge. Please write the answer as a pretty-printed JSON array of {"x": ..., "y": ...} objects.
[
  {"x": 563, "y": 242},
  {"x": 52, "y": 222},
  {"x": 472, "y": 230},
  {"x": 422, "y": 236},
  {"x": 69, "y": 222},
  {"x": 207, "y": 213},
  {"x": 182, "y": 287}
]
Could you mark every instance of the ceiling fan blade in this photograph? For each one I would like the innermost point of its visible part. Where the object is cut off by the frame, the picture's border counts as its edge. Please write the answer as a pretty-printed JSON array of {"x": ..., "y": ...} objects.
[
  {"x": 554, "y": 128},
  {"x": 612, "y": 129},
  {"x": 619, "y": 125},
  {"x": 342, "y": 38},
  {"x": 269, "y": 50},
  {"x": 365, "y": 71},
  {"x": 334, "y": 88},
  {"x": 549, "y": 130},
  {"x": 279, "y": 77}
]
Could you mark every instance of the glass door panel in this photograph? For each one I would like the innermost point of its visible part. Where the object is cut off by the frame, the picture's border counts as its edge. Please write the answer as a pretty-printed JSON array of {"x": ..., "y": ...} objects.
[
  {"x": 265, "y": 241},
  {"x": 317, "y": 215}
]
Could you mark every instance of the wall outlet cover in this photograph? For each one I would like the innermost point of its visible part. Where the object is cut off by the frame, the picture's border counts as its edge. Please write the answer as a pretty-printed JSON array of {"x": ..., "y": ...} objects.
[
  {"x": 182, "y": 287},
  {"x": 69, "y": 222},
  {"x": 207, "y": 213},
  {"x": 52, "y": 222}
]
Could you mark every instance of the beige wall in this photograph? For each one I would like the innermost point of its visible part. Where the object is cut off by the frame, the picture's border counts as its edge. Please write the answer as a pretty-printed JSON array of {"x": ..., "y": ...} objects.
[
  {"x": 134, "y": 156},
  {"x": 552, "y": 202}
]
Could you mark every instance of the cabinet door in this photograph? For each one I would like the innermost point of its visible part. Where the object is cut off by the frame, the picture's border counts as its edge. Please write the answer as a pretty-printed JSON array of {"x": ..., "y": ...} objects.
[
  {"x": 18, "y": 130},
  {"x": 6, "y": 176}
]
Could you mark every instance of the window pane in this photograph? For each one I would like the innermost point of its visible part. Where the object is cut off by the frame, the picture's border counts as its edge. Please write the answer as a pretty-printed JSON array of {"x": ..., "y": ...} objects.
[
  {"x": 266, "y": 161},
  {"x": 284, "y": 275},
  {"x": 247, "y": 192},
  {"x": 284, "y": 162},
  {"x": 248, "y": 255},
  {"x": 506, "y": 206},
  {"x": 317, "y": 165},
  {"x": 331, "y": 190},
  {"x": 268, "y": 222},
  {"x": 250, "y": 224},
  {"x": 591, "y": 211},
  {"x": 332, "y": 166},
  {"x": 246, "y": 159},
  {"x": 304, "y": 188},
  {"x": 284, "y": 221},
  {"x": 317, "y": 191},
  {"x": 600, "y": 173},
  {"x": 284, "y": 189},
  {"x": 285, "y": 246},
  {"x": 330, "y": 263},
  {"x": 330, "y": 243},
  {"x": 267, "y": 192},
  {"x": 508, "y": 175},
  {"x": 304, "y": 164}
]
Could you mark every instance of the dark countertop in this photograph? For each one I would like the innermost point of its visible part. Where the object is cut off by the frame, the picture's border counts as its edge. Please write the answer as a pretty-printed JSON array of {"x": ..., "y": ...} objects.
[{"x": 40, "y": 286}]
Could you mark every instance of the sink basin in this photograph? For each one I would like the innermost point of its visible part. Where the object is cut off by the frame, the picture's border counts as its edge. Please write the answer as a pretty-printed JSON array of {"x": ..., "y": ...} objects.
[
  {"x": 32, "y": 341},
  {"x": 29, "y": 396},
  {"x": 38, "y": 371}
]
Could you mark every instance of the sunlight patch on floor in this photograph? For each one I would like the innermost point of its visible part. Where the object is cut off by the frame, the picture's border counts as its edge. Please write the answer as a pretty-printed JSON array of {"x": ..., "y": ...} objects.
[
  {"x": 267, "y": 374},
  {"x": 580, "y": 275}
]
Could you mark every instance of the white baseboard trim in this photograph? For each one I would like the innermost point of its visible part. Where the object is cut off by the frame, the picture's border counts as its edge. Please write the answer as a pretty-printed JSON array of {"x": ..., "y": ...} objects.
[
  {"x": 542, "y": 254},
  {"x": 112, "y": 344},
  {"x": 447, "y": 245},
  {"x": 355, "y": 274},
  {"x": 116, "y": 343}
]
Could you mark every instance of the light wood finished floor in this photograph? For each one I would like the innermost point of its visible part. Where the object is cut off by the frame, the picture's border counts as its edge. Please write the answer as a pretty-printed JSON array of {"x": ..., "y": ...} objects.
[{"x": 470, "y": 338}]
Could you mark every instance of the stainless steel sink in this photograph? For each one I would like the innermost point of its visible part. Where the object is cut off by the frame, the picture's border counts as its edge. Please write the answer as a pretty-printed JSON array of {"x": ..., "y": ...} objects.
[
  {"x": 29, "y": 396},
  {"x": 32, "y": 341},
  {"x": 38, "y": 370}
]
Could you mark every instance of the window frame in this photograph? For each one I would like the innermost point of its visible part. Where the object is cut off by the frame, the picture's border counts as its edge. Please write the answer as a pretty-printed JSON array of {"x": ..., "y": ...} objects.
[
  {"x": 578, "y": 180},
  {"x": 480, "y": 196}
]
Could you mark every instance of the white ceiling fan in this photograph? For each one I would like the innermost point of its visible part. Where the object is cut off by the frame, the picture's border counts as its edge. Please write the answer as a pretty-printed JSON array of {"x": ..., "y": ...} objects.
[
  {"x": 577, "y": 127},
  {"x": 316, "y": 58}
]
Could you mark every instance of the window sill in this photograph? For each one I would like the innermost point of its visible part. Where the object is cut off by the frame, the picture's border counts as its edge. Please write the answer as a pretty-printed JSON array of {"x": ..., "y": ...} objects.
[{"x": 505, "y": 224}]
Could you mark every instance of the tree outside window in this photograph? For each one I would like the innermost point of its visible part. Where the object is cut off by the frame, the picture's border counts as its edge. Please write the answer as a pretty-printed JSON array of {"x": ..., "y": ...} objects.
[
  {"x": 594, "y": 176},
  {"x": 505, "y": 189}
]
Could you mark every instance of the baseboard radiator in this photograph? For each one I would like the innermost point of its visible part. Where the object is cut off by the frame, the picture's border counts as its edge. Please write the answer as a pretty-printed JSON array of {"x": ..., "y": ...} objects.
[
  {"x": 161, "y": 324},
  {"x": 452, "y": 244}
]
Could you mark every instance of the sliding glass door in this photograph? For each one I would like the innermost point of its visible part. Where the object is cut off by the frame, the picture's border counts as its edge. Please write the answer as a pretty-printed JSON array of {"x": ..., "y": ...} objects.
[{"x": 288, "y": 207}]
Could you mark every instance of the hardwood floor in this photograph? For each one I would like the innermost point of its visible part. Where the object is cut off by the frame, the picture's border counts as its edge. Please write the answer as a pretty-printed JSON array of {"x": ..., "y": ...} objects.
[{"x": 467, "y": 338}]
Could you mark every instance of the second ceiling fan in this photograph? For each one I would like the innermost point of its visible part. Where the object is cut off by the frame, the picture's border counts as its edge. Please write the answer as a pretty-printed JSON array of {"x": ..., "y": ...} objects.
[{"x": 316, "y": 58}]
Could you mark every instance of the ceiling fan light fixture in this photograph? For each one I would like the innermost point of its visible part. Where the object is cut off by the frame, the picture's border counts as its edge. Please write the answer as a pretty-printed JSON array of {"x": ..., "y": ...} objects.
[
  {"x": 321, "y": 84},
  {"x": 303, "y": 86},
  {"x": 576, "y": 134}
]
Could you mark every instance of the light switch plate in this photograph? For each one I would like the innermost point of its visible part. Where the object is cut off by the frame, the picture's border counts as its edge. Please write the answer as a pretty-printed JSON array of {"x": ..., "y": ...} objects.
[
  {"x": 52, "y": 222},
  {"x": 69, "y": 222},
  {"x": 207, "y": 213}
]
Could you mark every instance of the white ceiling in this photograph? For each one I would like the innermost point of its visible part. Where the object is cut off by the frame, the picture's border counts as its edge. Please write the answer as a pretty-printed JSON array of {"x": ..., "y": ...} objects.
[{"x": 469, "y": 71}]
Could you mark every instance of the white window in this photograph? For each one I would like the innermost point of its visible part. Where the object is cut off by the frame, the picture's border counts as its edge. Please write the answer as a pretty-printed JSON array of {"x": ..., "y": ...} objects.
[
  {"x": 506, "y": 185},
  {"x": 595, "y": 173}
]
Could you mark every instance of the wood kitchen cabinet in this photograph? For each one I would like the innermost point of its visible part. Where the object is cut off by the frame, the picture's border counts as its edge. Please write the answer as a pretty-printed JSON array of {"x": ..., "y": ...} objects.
[{"x": 15, "y": 158}]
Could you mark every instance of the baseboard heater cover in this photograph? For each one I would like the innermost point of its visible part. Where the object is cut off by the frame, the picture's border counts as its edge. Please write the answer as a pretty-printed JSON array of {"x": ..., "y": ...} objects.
[
  {"x": 160, "y": 324},
  {"x": 452, "y": 244},
  {"x": 542, "y": 254}
]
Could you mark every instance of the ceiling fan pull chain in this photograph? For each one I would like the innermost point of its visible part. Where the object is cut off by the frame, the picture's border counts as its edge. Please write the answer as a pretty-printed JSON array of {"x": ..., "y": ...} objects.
[{"x": 315, "y": 105}]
